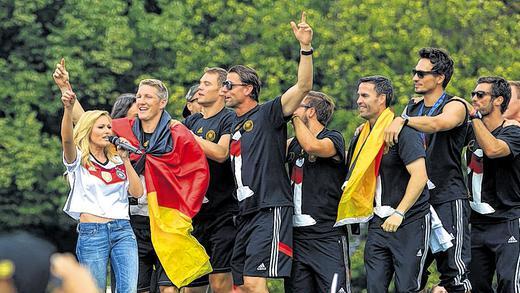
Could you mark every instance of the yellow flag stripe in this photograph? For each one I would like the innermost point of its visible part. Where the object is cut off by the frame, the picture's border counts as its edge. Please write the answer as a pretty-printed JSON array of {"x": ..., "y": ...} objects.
[
  {"x": 180, "y": 254},
  {"x": 357, "y": 201}
]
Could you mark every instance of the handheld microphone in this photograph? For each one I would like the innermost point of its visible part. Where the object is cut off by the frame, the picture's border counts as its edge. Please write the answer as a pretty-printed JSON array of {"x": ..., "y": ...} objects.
[{"x": 117, "y": 142}]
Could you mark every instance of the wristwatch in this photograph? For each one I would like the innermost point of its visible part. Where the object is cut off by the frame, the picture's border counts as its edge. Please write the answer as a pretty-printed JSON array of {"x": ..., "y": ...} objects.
[
  {"x": 307, "y": 53},
  {"x": 475, "y": 115},
  {"x": 406, "y": 119}
]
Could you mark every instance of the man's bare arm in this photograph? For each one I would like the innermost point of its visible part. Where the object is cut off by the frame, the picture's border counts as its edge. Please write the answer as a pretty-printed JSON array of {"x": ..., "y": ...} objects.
[{"x": 292, "y": 98}]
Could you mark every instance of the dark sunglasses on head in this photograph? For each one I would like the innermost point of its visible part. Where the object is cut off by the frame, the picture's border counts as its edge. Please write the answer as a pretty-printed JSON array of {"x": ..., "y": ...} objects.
[
  {"x": 421, "y": 74},
  {"x": 480, "y": 94},
  {"x": 229, "y": 85}
]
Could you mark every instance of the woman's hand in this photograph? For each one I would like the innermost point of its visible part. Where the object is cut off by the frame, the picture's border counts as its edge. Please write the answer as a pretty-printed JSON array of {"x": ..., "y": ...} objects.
[
  {"x": 61, "y": 76},
  {"x": 124, "y": 154},
  {"x": 68, "y": 99}
]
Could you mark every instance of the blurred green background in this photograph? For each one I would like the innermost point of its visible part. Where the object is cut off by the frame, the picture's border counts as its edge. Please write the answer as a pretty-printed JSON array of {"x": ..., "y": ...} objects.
[{"x": 110, "y": 45}]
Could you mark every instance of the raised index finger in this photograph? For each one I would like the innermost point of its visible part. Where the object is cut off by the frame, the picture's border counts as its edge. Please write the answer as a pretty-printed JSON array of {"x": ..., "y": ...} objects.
[
  {"x": 62, "y": 62},
  {"x": 304, "y": 17}
]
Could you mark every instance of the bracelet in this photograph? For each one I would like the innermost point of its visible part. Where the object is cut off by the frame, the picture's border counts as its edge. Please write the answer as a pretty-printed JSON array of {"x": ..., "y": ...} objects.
[
  {"x": 399, "y": 213},
  {"x": 307, "y": 53}
]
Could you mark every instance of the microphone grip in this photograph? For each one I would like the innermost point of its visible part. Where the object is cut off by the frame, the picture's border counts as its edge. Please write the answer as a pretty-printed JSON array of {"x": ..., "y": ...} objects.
[{"x": 127, "y": 147}]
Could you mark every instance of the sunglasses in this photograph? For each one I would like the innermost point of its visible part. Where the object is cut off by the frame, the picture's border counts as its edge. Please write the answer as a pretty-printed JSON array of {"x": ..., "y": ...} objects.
[
  {"x": 229, "y": 85},
  {"x": 421, "y": 74},
  {"x": 480, "y": 94}
]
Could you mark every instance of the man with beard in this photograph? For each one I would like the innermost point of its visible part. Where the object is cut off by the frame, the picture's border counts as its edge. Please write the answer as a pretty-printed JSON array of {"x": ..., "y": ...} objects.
[
  {"x": 263, "y": 246},
  {"x": 316, "y": 157},
  {"x": 494, "y": 181}
]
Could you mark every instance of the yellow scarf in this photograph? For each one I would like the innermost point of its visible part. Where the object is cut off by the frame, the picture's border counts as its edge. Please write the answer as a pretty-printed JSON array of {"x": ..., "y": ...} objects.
[{"x": 357, "y": 201}]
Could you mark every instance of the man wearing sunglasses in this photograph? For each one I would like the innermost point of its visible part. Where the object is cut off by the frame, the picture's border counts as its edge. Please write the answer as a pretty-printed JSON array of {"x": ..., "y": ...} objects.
[
  {"x": 441, "y": 119},
  {"x": 213, "y": 226},
  {"x": 316, "y": 158},
  {"x": 495, "y": 216},
  {"x": 263, "y": 247}
]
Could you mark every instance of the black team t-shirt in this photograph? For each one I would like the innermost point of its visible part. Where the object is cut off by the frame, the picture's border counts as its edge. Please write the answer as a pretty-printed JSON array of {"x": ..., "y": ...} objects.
[
  {"x": 317, "y": 183},
  {"x": 501, "y": 180},
  {"x": 443, "y": 156},
  {"x": 395, "y": 176},
  {"x": 258, "y": 145},
  {"x": 220, "y": 194}
]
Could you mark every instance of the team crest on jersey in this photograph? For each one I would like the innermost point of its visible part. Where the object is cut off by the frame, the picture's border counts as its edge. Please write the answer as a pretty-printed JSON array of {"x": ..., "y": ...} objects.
[
  {"x": 199, "y": 131},
  {"x": 145, "y": 144},
  {"x": 312, "y": 158},
  {"x": 210, "y": 135},
  {"x": 120, "y": 174},
  {"x": 248, "y": 125},
  {"x": 106, "y": 176}
]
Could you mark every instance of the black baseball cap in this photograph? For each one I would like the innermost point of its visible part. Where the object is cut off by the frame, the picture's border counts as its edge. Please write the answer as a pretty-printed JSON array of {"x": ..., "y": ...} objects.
[{"x": 189, "y": 98}]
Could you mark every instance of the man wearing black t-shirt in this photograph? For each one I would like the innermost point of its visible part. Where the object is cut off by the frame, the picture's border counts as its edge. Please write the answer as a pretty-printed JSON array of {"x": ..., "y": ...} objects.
[
  {"x": 213, "y": 226},
  {"x": 442, "y": 123},
  {"x": 398, "y": 232},
  {"x": 263, "y": 246},
  {"x": 316, "y": 157},
  {"x": 495, "y": 185}
]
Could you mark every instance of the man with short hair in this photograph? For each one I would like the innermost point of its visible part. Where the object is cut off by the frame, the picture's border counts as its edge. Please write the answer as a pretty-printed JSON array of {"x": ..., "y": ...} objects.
[
  {"x": 316, "y": 158},
  {"x": 513, "y": 109},
  {"x": 442, "y": 121},
  {"x": 495, "y": 184},
  {"x": 171, "y": 200},
  {"x": 263, "y": 246},
  {"x": 386, "y": 186},
  {"x": 213, "y": 225}
]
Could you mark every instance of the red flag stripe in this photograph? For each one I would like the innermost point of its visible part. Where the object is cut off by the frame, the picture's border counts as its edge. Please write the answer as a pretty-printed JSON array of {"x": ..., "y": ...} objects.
[{"x": 285, "y": 249}]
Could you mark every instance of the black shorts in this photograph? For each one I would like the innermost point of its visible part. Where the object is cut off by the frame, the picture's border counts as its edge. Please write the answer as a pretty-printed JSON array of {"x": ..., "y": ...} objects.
[
  {"x": 263, "y": 246},
  {"x": 401, "y": 253},
  {"x": 218, "y": 240},
  {"x": 320, "y": 265},
  {"x": 149, "y": 264},
  {"x": 495, "y": 248},
  {"x": 453, "y": 264}
]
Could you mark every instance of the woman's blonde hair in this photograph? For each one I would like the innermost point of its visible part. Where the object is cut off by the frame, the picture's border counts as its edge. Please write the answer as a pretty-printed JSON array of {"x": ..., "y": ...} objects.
[{"x": 82, "y": 132}]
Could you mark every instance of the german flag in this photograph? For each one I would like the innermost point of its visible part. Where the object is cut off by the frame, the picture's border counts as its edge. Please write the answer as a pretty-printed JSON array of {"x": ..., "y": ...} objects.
[
  {"x": 177, "y": 177},
  {"x": 365, "y": 154}
]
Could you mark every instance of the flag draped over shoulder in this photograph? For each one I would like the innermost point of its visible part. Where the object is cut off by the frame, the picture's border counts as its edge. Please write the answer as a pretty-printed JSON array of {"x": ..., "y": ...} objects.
[
  {"x": 357, "y": 201},
  {"x": 177, "y": 177}
]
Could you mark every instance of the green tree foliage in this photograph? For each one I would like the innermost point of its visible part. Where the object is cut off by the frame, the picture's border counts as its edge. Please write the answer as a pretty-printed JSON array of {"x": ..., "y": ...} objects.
[{"x": 111, "y": 44}]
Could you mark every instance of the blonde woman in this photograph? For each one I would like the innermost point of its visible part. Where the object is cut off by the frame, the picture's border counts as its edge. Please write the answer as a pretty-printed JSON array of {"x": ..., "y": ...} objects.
[{"x": 100, "y": 178}]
